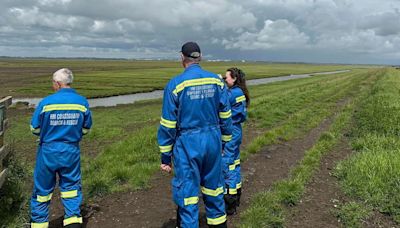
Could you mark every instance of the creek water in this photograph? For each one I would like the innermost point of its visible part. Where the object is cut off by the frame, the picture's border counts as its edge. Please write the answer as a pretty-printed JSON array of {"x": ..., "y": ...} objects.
[{"x": 132, "y": 98}]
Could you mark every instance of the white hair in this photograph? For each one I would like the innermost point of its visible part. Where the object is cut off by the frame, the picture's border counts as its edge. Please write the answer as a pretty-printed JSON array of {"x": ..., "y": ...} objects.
[{"x": 63, "y": 76}]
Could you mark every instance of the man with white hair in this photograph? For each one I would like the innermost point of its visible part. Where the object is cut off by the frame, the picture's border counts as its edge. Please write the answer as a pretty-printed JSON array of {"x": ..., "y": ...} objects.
[{"x": 60, "y": 120}]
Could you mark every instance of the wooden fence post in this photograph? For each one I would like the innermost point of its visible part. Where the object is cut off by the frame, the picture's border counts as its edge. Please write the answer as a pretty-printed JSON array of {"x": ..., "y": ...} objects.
[{"x": 4, "y": 103}]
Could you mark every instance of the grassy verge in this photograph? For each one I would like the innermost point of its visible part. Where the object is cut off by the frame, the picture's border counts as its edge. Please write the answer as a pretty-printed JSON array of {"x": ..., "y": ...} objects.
[
  {"x": 372, "y": 174},
  {"x": 351, "y": 213},
  {"x": 13, "y": 195},
  {"x": 268, "y": 208}
]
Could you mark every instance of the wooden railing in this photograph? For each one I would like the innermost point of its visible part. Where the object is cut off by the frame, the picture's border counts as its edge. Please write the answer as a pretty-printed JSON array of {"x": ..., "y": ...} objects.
[{"x": 4, "y": 103}]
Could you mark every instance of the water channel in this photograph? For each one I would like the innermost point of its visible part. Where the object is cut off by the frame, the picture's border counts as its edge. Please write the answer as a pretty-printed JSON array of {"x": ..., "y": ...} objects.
[{"x": 132, "y": 98}]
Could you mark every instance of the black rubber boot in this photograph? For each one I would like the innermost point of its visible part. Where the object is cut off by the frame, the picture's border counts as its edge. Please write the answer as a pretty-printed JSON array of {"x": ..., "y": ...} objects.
[
  {"x": 74, "y": 225},
  {"x": 230, "y": 204},
  {"x": 239, "y": 193},
  {"x": 178, "y": 218},
  {"x": 223, "y": 225}
]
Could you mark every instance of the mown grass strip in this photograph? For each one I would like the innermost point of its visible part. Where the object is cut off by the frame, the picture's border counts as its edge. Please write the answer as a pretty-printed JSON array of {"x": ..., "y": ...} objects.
[
  {"x": 268, "y": 208},
  {"x": 373, "y": 173}
]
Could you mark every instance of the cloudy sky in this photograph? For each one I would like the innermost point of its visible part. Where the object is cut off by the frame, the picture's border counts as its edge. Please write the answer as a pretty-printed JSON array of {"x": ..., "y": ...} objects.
[{"x": 336, "y": 31}]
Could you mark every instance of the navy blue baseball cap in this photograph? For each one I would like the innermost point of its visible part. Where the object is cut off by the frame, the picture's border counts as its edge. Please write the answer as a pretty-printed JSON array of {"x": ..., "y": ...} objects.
[{"x": 191, "y": 49}]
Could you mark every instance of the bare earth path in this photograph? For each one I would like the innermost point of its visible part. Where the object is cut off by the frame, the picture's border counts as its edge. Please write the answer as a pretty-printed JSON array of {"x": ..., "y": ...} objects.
[
  {"x": 153, "y": 207},
  {"x": 323, "y": 193}
]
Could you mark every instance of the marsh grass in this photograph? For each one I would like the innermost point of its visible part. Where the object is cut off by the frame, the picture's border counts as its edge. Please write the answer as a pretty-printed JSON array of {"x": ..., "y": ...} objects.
[
  {"x": 267, "y": 208},
  {"x": 372, "y": 174}
]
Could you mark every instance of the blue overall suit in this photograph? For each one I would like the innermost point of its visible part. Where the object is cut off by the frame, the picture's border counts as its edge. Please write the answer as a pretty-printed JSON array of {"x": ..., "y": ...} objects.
[
  {"x": 60, "y": 120},
  {"x": 196, "y": 118},
  {"x": 231, "y": 155}
]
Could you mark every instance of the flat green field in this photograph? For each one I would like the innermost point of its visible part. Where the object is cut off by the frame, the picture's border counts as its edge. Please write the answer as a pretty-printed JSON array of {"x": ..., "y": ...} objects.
[
  {"x": 102, "y": 78},
  {"x": 121, "y": 155}
]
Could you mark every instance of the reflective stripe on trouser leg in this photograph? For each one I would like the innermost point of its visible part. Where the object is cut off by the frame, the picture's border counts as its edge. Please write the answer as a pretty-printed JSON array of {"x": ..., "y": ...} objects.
[
  {"x": 229, "y": 173},
  {"x": 212, "y": 181},
  {"x": 229, "y": 165},
  {"x": 198, "y": 163},
  {"x": 39, "y": 225},
  {"x": 238, "y": 177},
  {"x": 72, "y": 220},
  {"x": 185, "y": 184},
  {"x": 237, "y": 132},
  {"x": 70, "y": 184},
  {"x": 216, "y": 221},
  {"x": 44, "y": 179}
]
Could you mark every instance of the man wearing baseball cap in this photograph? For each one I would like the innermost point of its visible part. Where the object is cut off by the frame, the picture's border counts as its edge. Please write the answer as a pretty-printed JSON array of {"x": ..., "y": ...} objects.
[{"x": 196, "y": 119}]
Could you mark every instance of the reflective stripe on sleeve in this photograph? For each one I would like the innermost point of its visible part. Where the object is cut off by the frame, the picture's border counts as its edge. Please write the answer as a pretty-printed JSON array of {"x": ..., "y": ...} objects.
[
  {"x": 225, "y": 115},
  {"x": 165, "y": 149},
  {"x": 168, "y": 123},
  {"x": 226, "y": 138},
  {"x": 232, "y": 167},
  {"x": 35, "y": 130},
  {"x": 240, "y": 99},
  {"x": 237, "y": 162},
  {"x": 85, "y": 131}
]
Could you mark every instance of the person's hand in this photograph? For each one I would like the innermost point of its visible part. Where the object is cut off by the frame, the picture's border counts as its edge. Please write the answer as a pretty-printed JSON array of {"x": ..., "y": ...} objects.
[{"x": 166, "y": 168}]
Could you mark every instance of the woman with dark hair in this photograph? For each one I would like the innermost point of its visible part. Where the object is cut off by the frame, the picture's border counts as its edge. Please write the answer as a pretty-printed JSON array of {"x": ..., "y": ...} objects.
[{"x": 239, "y": 100}]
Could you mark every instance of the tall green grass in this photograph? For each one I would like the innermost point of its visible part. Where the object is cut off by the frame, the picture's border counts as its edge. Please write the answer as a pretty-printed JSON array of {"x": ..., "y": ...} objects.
[
  {"x": 13, "y": 195},
  {"x": 372, "y": 174}
]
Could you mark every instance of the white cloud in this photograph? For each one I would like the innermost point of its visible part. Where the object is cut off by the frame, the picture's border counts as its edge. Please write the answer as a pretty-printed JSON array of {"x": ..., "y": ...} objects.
[
  {"x": 333, "y": 29},
  {"x": 275, "y": 35}
]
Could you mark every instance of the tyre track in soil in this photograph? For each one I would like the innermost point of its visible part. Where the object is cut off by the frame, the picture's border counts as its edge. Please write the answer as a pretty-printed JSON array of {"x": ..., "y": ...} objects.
[
  {"x": 153, "y": 206},
  {"x": 323, "y": 192}
]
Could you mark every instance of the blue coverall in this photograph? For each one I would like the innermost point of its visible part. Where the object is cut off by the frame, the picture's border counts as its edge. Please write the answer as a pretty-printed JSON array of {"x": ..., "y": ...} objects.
[
  {"x": 231, "y": 155},
  {"x": 60, "y": 120},
  {"x": 196, "y": 117}
]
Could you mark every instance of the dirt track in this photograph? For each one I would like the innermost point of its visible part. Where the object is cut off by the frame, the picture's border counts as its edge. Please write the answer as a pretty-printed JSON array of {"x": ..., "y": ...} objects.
[
  {"x": 323, "y": 194},
  {"x": 153, "y": 207}
]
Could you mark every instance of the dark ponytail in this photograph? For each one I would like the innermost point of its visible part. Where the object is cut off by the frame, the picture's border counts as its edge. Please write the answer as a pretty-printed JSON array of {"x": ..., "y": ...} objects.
[{"x": 240, "y": 81}]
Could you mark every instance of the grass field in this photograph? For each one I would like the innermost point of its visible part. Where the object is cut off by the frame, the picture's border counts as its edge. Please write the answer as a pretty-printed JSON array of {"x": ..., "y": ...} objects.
[
  {"x": 101, "y": 78},
  {"x": 121, "y": 153},
  {"x": 372, "y": 174},
  {"x": 268, "y": 208}
]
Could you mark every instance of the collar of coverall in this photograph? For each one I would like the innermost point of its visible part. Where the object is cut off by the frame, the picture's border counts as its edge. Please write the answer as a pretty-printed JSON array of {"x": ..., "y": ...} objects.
[
  {"x": 66, "y": 90},
  {"x": 191, "y": 66}
]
